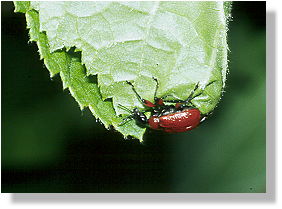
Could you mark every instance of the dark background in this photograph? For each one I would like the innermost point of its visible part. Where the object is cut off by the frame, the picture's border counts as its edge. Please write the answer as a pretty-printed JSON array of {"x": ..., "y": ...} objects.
[{"x": 49, "y": 145}]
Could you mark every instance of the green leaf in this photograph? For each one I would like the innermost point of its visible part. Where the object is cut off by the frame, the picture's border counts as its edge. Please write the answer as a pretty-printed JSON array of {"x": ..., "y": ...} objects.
[
  {"x": 22, "y": 6},
  {"x": 181, "y": 44},
  {"x": 73, "y": 76}
]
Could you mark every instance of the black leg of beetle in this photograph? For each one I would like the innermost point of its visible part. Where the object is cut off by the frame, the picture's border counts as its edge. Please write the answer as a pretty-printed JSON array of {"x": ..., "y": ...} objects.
[
  {"x": 136, "y": 114},
  {"x": 125, "y": 120},
  {"x": 210, "y": 83},
  {"x": 128, "y": 118},
  {"x": 172, "y": 101},
  {"x": 175, "y": 101},
  {"x": 192, "y": 96},
  {"x": 188, "y": 99},
  {"x": 203, "y": 119},
  {"x": 183, "y": 103}
]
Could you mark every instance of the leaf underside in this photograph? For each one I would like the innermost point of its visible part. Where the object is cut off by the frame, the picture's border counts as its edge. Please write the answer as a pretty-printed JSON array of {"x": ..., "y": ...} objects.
[{"x": 96, "y": 47}]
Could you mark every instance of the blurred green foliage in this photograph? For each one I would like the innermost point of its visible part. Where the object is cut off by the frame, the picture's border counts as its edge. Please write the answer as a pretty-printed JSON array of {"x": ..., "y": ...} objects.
[{"x": 49, "y": 145}]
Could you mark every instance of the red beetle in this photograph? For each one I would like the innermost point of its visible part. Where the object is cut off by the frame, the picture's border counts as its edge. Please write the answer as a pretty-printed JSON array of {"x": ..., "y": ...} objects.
[{"x": 180, "y": 117}]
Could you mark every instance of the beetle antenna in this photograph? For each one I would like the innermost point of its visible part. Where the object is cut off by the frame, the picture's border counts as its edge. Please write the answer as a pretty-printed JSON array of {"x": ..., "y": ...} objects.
[
  {"x": 124, "y": 108},
  {"x": 139, "y": 97},
  {"x": 157, "y": 87}
]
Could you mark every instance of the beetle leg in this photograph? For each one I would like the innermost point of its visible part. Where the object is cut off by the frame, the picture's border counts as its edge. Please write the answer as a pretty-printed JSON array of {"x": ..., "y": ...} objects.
[
  {"x": 203, "y": 119},
  {"x": 136, "y": 114},
  {"x": 172, "y": 101},
  {"x": 192, "y": 96},
  {"x": 210, "y": 83},
  {"x": 125, "y": 120}
]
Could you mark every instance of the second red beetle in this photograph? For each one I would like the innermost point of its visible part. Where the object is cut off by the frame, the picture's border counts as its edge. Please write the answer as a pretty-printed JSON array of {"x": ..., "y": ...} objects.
[{"x": 180, "y": 117}]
